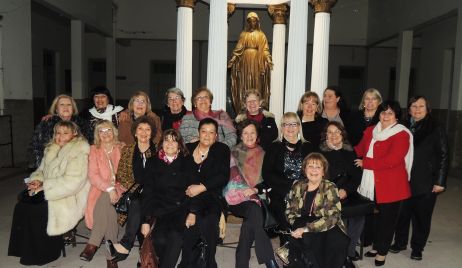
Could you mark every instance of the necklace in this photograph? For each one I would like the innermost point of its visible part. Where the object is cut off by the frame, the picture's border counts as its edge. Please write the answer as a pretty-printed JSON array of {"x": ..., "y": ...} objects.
[
  {"x": 203, "y": 156},
  {"x": 108, "y": 152}
]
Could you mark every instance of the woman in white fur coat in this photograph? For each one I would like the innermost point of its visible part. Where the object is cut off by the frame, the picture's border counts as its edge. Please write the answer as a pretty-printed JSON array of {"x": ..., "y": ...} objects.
[{"x": 60, "y": 183}]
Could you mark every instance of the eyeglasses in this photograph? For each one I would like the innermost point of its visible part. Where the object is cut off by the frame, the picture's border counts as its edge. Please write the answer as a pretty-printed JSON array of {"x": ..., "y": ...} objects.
[
  {"x": 105, "y": 131},
  {"x": 139, "y": 101},
  {"x": 205, "y": 97},
  {"x": 294, "y": 124},
  {"x": 172, "y": 99},
  {"x": 389, "y": 113}
]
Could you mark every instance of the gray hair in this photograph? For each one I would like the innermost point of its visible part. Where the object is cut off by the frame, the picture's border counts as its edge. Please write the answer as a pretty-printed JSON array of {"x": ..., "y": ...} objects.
[{"x": 176, "y": 91}]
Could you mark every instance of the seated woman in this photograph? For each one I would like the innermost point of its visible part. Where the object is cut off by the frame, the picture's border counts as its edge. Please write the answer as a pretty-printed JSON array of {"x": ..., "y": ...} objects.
[
  {"x": 347, "y": 177},
  {"x": 164, "y": 198},
  {"x": 241, "y": 195},
  {"x": 135, "y": 159},
  {"x": 208, "y": 165},
  {"x": 314, "y": 213},
  {"x": 202, "y": 108},
  {"x": 100, "y": 215},
  {"x": 56, "y": 198}
]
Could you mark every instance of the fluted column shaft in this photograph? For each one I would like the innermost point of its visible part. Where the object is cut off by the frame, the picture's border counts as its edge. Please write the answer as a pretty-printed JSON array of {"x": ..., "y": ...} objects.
[
  {"x": 184, "y": 48},
  {"x": 78, "y": 82},
  {"x": 320, "y": 63},
  {"x": 403, "y": 66},
  {"x": 296, "y": 55},
  {"x": 217, "y": 52}
]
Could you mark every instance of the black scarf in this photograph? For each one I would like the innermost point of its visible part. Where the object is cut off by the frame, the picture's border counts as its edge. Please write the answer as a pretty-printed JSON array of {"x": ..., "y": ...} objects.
[{"x": 169, "y": 118}]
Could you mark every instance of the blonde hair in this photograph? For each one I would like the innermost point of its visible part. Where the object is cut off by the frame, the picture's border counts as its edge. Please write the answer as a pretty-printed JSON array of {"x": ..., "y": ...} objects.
[
  {"x": 54, "y": 105},
  {"x": 101, "y": 124},
  {"x": 372, "y": 91},
  {"x": 305, "y": 97},
  {"x": 290, "y": 115},
  {"x": 137, "y": 94},
  {"x": 66, "y": 124}
]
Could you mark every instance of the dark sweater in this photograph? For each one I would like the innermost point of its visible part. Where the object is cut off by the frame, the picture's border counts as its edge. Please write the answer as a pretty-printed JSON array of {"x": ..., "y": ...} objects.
[
  {"x": 312, "y": 130},
  {"x": 357, "y": 124}
]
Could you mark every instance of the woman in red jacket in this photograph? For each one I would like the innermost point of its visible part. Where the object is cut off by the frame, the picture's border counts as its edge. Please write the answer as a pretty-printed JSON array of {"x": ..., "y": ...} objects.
[{"x": 387, "y": 152}]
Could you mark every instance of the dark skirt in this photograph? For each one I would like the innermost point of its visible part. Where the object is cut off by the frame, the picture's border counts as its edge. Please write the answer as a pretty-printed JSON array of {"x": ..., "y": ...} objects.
[{"x": 28, "y": 238}]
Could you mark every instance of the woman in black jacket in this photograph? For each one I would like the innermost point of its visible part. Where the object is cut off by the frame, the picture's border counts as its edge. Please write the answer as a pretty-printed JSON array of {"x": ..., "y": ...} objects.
[
  {"x": 282, "y": 166},
  {"x": 208, "y": 166},
  {"x": 428, "y": 177},
  {"x": 313, "y": 123},
  {"x": 347, "y": 176},
  {"x": 164, "y": 198}
]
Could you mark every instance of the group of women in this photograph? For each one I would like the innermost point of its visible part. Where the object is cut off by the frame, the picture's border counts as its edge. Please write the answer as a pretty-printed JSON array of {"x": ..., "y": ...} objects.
[{"x": 185, "y": 177}]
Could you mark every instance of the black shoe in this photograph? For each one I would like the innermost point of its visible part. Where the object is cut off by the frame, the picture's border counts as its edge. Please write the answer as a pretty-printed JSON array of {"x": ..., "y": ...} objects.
[
  {"x": 356, "y": 257},
  {"x": 348, "y": 263},
  {"x": 117, "y": 256},
  {"x": 271, "y": 264},
  {"x": 396, "y": 248},
  {"x": 370, "y": 254},
  {"x": 416, "y": 255},
  {"x": 379, "y": 263}
]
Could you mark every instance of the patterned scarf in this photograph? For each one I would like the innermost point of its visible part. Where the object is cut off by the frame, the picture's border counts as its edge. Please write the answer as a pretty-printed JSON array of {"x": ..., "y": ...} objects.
[
  {"x": 163, "y": 156},
  {"x": 216, "y": 115}
]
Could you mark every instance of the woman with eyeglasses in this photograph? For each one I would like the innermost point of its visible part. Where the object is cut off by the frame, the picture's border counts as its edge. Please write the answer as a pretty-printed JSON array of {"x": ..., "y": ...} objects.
[
  {"x": 387, "y": 153},
  {"x": 174, "y": 109},
  {"x": 202, "y": 99},
  {"x": 282, "y": 166},
  {"x": 139, "y": 105}
]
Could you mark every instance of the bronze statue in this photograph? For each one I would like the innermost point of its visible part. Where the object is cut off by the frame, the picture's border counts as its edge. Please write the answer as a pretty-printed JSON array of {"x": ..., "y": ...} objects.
[{"x": 250, "y": 64}]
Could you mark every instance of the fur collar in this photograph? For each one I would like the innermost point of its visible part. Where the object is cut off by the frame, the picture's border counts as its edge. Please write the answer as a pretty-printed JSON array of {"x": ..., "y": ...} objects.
[
  {"x": 242, "y": 116},
  {"x": 324, "y": 148}
]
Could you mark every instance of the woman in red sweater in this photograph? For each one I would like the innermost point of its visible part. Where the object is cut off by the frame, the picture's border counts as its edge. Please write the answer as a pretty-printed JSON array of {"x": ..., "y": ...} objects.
[{"x": 387, "y": 152}]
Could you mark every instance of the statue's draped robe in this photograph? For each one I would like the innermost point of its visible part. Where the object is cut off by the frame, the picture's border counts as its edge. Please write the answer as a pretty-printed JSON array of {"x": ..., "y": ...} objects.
[{"x": 251, "y": 70}]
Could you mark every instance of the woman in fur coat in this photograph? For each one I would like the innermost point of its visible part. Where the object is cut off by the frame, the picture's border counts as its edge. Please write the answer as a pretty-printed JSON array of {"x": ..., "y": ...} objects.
[{"x": 59, "y": 189}]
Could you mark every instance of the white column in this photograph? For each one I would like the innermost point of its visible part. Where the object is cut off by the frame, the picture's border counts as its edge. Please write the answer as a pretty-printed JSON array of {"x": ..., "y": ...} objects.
[
  {"x": 217, "y": 54},
  {"x": 2, "y": 89},
  {"x": 77, "y": 59},
  {"x": 277, "y": 74},
  {"x": 111, "y": 66},
  {"x": 320, "y": 63},
  {"x": 184, "y": 44},
  {"x": 403, "y": 67},
  {"x": 296, "y": 55}
]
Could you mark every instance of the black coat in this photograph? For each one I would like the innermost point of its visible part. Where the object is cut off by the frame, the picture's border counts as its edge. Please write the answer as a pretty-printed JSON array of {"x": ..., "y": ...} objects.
[
  {"x": 214, "y": 173},
  {"x": 273, "y": 168},
  {"x": 268, "y": 130},
  {"x": 312, "y": 130},
  {"x": 357, "y": 124},
  {"x": 431, "y": 157}
]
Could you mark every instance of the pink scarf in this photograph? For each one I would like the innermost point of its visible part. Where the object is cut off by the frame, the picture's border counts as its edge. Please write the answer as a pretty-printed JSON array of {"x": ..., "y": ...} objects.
[{"x": 216, "y": 115}]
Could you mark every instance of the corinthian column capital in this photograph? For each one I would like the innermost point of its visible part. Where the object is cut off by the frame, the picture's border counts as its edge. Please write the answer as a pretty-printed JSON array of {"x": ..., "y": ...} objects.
[
  {"x": 322, "y": 5},
  {"x": 186, "y": 3},
  {"x": 278, "y": 13},
  {"x": 231, "y": 9}
]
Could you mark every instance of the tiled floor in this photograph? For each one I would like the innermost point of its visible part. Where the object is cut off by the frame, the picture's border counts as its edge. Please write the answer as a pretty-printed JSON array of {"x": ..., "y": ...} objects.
[{"x": 443, "y": 250}]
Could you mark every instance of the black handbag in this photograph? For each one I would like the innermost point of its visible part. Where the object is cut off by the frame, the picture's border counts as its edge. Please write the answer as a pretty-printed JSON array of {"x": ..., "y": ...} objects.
[
  {"x": 269, "y": 222},
  {"x": 357, "y": 205},
  {"x": 198, "y": 256},
  {"x": 123, "y": 204}
]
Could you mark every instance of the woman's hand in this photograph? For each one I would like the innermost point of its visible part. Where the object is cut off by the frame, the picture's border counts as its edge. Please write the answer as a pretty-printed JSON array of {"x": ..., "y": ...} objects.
[
  {"x": 359, "y": 163},
  {"x": 34, "y": 185},
  {"x": 342, "y": 194},
  {"x": 190, "y": 220},
  {"x": 195, "y": 189},
  {"x": 437, "y": 189},
  {"x": 113, "y": 196},
  {"x": 298, "y": 233},
  {"x": 145, "y": 228},
  {"x": 249, "y": 192}
]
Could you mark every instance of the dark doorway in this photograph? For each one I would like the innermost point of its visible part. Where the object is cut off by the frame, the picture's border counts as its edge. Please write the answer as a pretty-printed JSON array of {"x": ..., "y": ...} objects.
[
  {"x": 392, "y": 85},
  {"x": 162, "y": 77},
  {"x": 96, "y": 73},
  {"x": 351, "y": 83},
  {"x": 41, "y": 105}
]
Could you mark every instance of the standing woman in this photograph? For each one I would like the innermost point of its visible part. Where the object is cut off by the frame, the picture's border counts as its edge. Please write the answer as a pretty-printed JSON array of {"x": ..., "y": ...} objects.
[
  {"x": 174, "y": 110},
  {"x": 164, "y": 198},
  {"x": 366, "y": 116},
  {"x": 241, "y": 196},
  {"x": 100, "y": 215},
  {"x": 282, "y": 166},
  {"x": 56, "y": 198},
  {"x": 428, "y": 177},
  {"x": 208, "y": 165},
  {"x": 334, "y": 106},
  {"x": 63, "y": 108},
  {"x": 267, "y": 128},
  {"x": 347, "y": 177},
  {"x": 202, "y": 108},
  {"x": 313, "y": 123},
  {"x": 139, "y": 105},
  {"x": 134, "y": 161},
  {"x": 103, "y": 109},
  {"x": 387, "y": 152}
]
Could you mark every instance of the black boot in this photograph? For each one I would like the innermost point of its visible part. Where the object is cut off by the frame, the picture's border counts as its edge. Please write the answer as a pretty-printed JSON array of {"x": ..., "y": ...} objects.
[{"x": 271, "y": 264}]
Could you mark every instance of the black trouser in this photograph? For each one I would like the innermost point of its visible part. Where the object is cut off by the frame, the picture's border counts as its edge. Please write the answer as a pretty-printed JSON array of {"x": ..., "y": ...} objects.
[
  {"x": 132, "y": 227},
  {"x": 168, "y": 237},
  {"x": 386, "y": 224},
  {"x": 354, "y": 229},
  {"x": 419, "y": 210},
  {"x": 206, "y": 225},
  {"x": 278, "y": 208},
  {"x": 251, "y": 230}
]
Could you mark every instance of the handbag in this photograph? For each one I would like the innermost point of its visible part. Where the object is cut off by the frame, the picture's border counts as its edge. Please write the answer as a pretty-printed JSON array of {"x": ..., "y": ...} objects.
[
  {"x": 283, "y": 253},
  {"x": 198, "y": 256},
  {"x": 123, "y": 204},
  {"x": 357, "y": 205},
  {"x": 269, "y": 222},
  {"x": 148, "y": 256}
]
